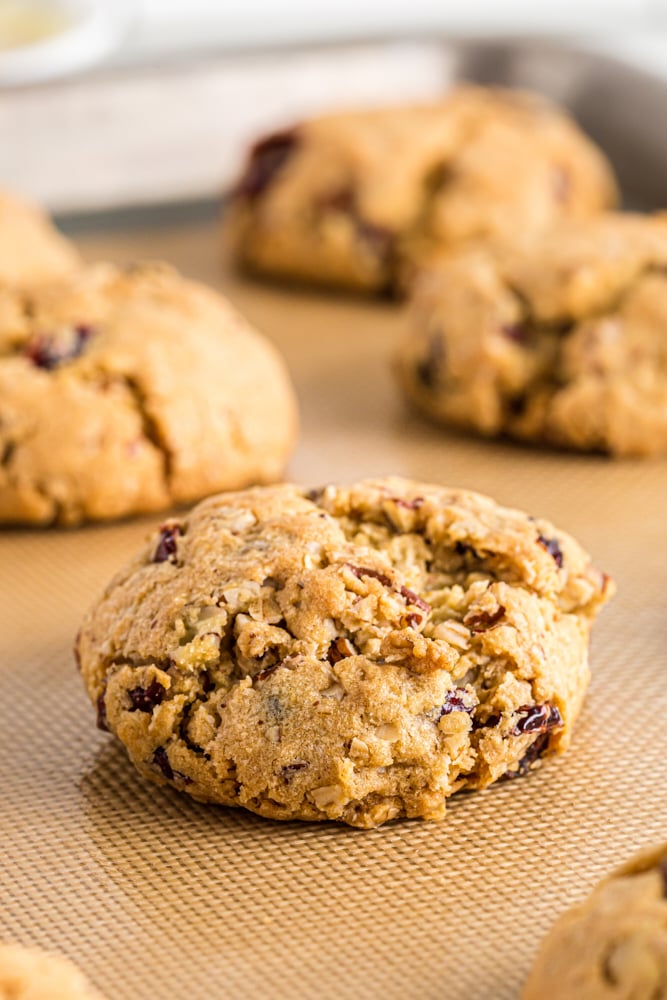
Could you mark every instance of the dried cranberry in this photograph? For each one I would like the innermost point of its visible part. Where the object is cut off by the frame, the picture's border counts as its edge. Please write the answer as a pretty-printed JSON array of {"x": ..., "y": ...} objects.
[
  {"x": 515, "y": 332},
  {"x": 207, "y": 683},
  {"x": 361, "y": 571},
  {"x": 267, "y": 158},
  {"x": 378, "y": 238},
  {"x": 537, "y": 719},
  {"x": 463, "y": 549},
  {"x": 532, "y": 754},
  {"x": 46, "y": 352},
  {"x": 429, "y": 367},
  {"x": 145, "y": 699},
  {"x": 102, "y": 714},
  {"x": 455, "y": 701},
  {"x": 489, "y": 722},
  {"x": 409, "y": 504},
  {"x": 340, "y": 649},
  {"x": 341, "y": 200},
  {"x": 517, "y": 405},
  {"x": 482, "y": 621},
  {"x": 166, "y": 547},
  {"x": 185, "y": 736},
  {"x": 162, "y": 760},
  {"x": 663, "y": 871},
  {"x": 553, "y": 548}
]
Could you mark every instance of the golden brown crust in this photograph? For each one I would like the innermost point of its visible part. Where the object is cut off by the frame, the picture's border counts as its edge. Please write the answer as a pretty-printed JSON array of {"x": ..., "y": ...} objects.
[
  {"x": 129, "y": 391},
  {"x": 561, "y": 341},
  {"x": 354, "y": 199},
  {"x": 358, "y": 653}
]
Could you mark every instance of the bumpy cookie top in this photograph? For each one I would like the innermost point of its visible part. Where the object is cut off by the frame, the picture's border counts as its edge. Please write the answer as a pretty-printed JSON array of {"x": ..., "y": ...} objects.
[
  {"x": 347, "y": 198},
  {"x": 354, "y": 653},
  {"x": 31, "y": 974},
  {"x": 614, "y": 944},
  {"x": 560, "y": 340},
  {"x": 128, "y": 390},
  {"x": 31, "y": 249}
]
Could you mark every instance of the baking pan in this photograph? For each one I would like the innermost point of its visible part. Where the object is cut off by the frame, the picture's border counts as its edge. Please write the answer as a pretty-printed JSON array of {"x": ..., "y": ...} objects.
[{"x": 159, "y": 897}]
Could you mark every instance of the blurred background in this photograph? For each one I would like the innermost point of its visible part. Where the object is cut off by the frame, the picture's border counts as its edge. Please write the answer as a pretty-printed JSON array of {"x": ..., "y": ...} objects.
[{"x": 107, "y": 104}]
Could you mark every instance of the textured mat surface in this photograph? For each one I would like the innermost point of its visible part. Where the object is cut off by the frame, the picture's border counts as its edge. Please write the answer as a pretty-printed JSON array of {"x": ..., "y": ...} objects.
[{"x": 158, "y": 897}]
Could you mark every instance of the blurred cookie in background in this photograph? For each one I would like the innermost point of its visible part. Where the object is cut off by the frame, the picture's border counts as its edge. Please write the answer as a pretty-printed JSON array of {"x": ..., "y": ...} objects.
[
  {"x": 33, "y": 974},
  {"x": 31, "y": 248},
  {"x": 353, "y": 200},
  {"x": 562, "y": 342},
  {"x": 129, "y": 390},
  {"x": 614, "y": 944}
]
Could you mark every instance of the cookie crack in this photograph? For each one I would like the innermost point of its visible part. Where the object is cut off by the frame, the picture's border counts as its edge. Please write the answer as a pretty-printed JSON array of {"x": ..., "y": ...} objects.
[{"x": 150, "y": 426}]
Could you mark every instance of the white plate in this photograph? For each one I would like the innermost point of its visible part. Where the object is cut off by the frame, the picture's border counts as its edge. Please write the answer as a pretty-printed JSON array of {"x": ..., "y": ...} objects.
[{"x": 42, "y": 39}]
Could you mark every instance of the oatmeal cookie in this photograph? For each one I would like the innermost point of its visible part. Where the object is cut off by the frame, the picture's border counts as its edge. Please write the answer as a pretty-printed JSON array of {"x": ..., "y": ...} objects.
[
  {"x": 31, "y": 249},
  {"x": 614, "y": 944},
  {"x": 351, "y": 653},
  {"x": 352, "y": 199},
  {"x": 32, "y": 974},
  {"x": 124, "y": 391},
  {"x": 563, "y": 342}
]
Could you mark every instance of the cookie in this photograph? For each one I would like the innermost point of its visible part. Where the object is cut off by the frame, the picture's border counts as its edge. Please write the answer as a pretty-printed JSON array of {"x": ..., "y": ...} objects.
[
  {"x": 353, "y": 653},
  {"x": 614, "y": 944},
  {"x": 126, "y": 391},
  {"x": 32, "y": 974},
  {"x": 561, "y": 342},
  {"x": 351, "y": 200},
  {"x": 31, "y": 249}
]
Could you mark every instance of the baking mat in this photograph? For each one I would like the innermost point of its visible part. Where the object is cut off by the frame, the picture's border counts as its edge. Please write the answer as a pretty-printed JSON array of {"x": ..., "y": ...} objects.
[{"x": 159, "y": 897}]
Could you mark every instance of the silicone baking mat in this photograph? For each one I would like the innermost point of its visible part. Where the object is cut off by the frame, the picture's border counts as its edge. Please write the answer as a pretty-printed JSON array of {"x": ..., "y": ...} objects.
[{"x": 158, "y": 897}]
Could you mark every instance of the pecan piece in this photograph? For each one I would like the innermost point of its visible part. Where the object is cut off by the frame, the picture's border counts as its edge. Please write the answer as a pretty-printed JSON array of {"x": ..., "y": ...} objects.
[
  {"x": 340, "y": 649},
  {"x": 266, "y": 672},
  {"x": 361, "y": 571},
  {"x": 482, "y": 621},
  {"x": 412, "y": 598}
]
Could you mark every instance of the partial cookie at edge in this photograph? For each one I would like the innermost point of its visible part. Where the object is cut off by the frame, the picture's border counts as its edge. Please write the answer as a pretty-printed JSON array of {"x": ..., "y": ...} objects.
[
  {"x": 560, "y": 342},
  {"x": 126, "y": 391},
  {"x": 613, "y": 946},
  {"x": 33, "y": 974}
]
